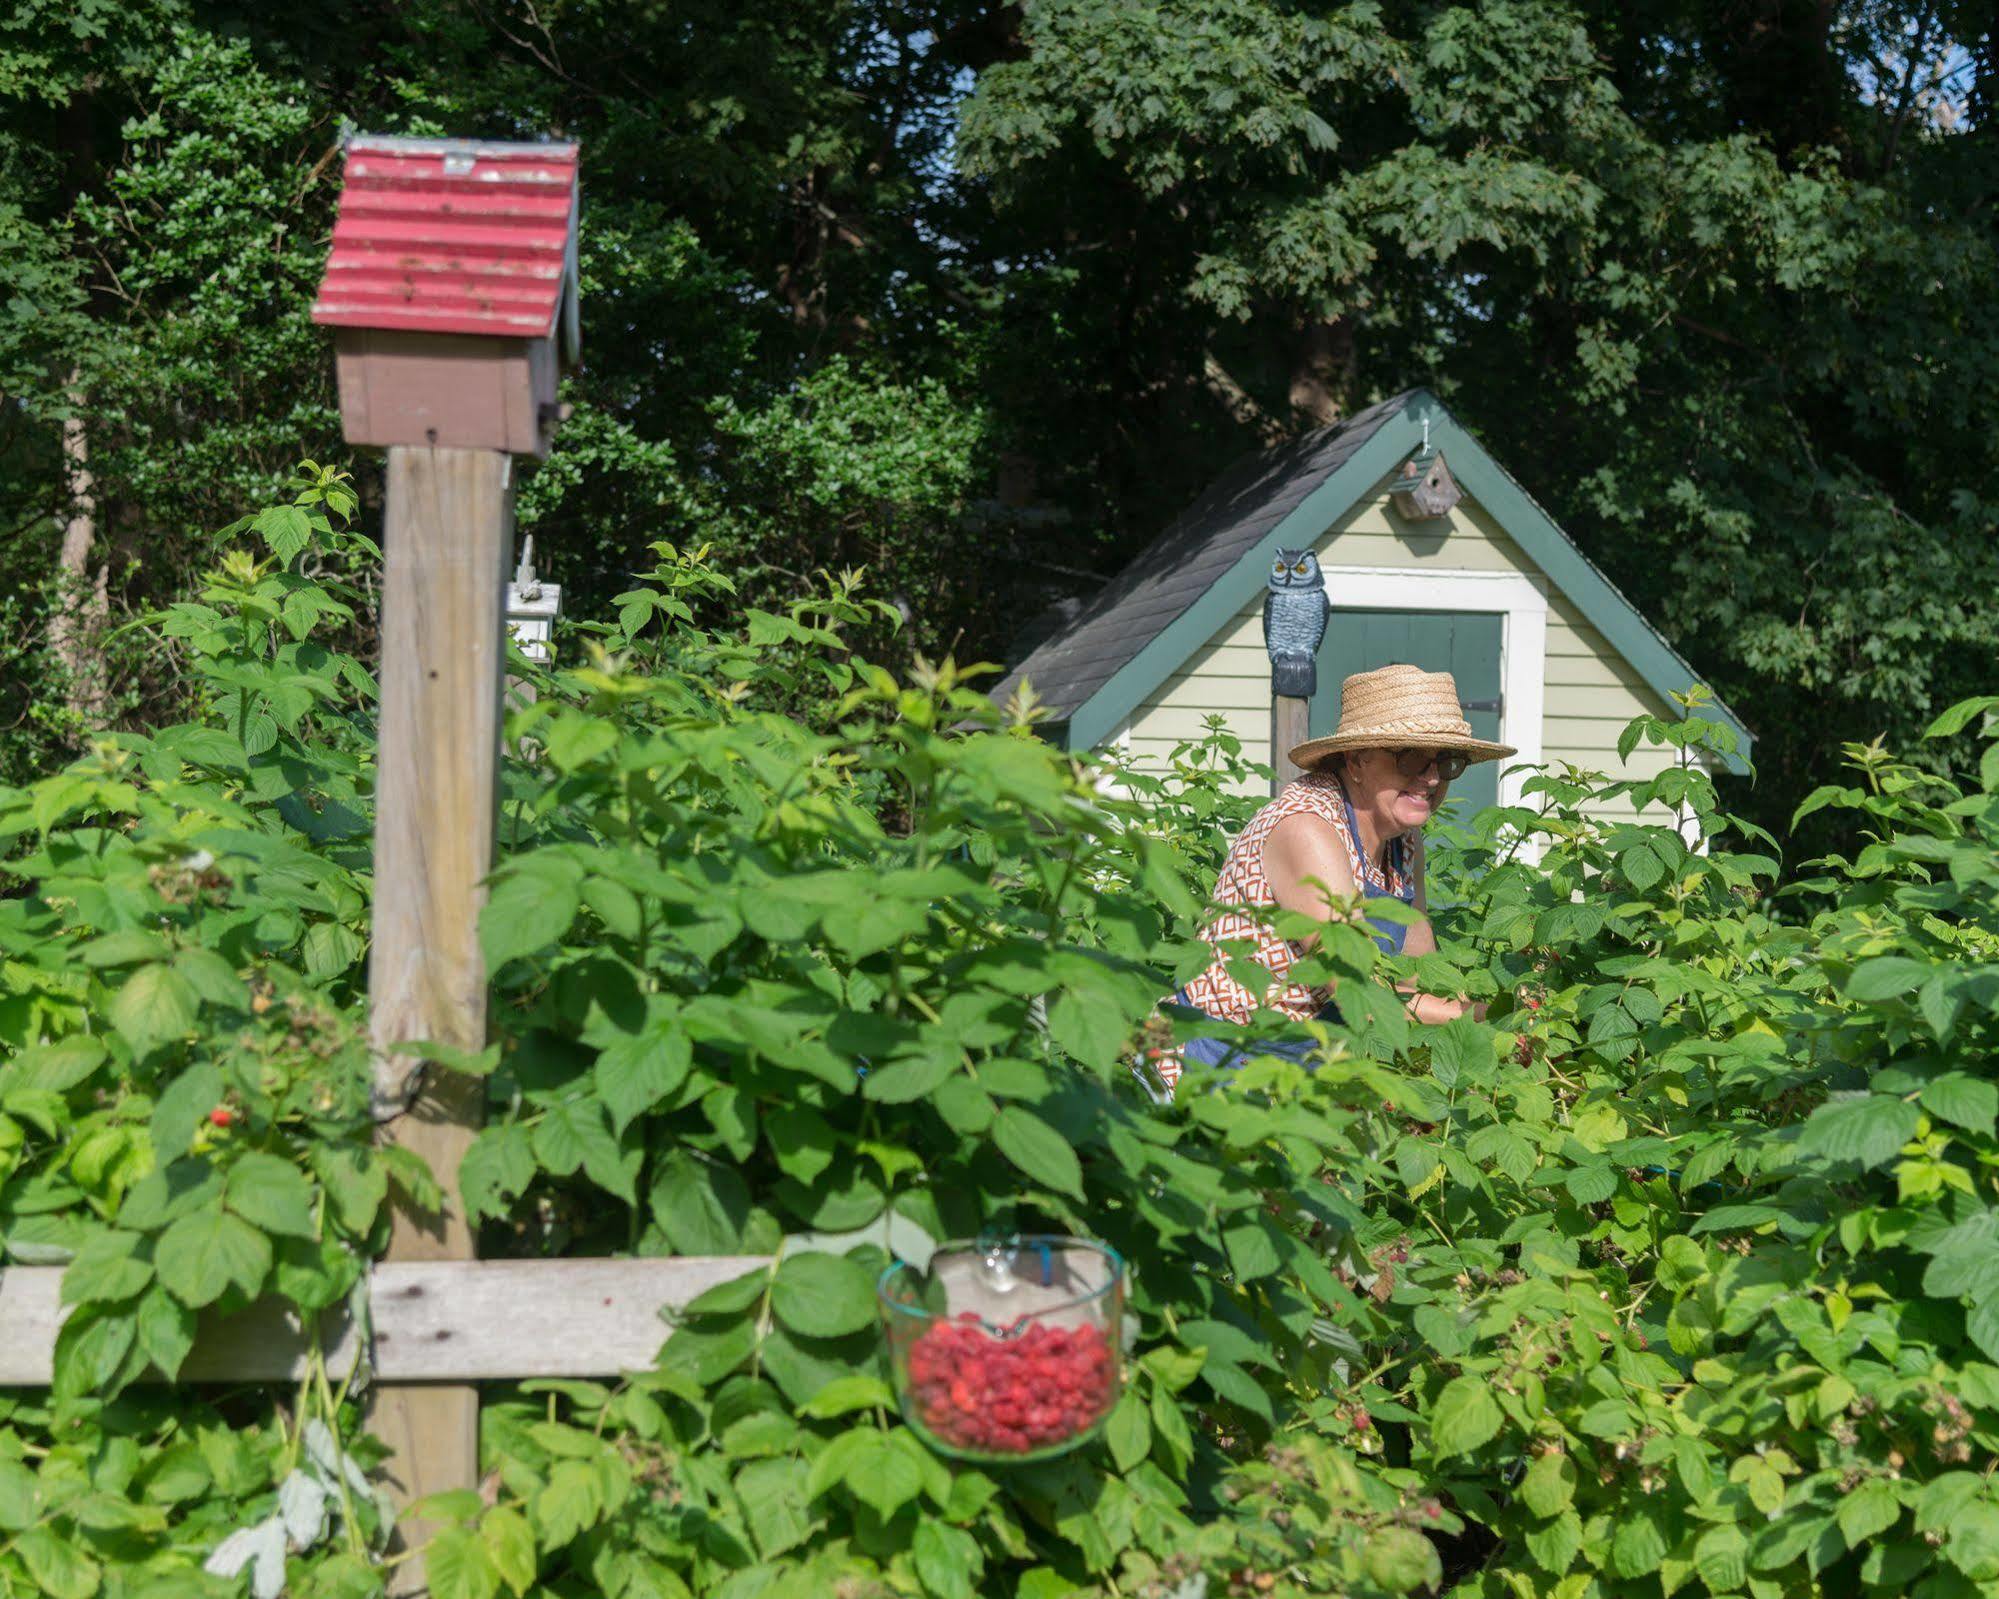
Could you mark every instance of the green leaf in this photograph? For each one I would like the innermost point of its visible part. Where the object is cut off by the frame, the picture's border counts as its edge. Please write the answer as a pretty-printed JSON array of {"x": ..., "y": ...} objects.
[
  {"x": 576, "y": 1134},
  {"x": 1640, "y": 867},
  {"x": 286, "y": 529},
  {"x": 774, "y": 1503},
  {"x": 1968, "y": 1101},
  {"x": 802, "y": 1140},
  {"x": 909, "y": 1078},
  {"x": 636, "y": 1074},
  {"x": 883, "y": 1477},
  {"x": 57, "y": 1565},
  {"x": 20, "y": 1496},
  {"x": 1038, "y": 1150},
  {"x": 1549, "y": 1486},
  {"x": 1085, "y": 1028},
  {"x": 109, "y": 1267},
  {"x": 1639, "y": 1544},
  {"x": 1959, "y": 716},
  {"x": 823, "y": 1296},
  {"x": 732, "y": 1297},
  {"x": 571, "y": 1502},
  {"x": 1870, "y": 1510},
  {"x": 202, "y": 1255},
  {"x": 509, "y": 1545},
  {"x": 1591, "y": 1185},
  {"x": 1252, "y": 1248},
  {"x": 1972, "y": 1543},
  {"x": 165, "y": 1331},
  {"x": 1402, "y": 1560},
  {"x": 458, "y": 1565},
  {"x": 357, "y": 1182},
  {"x": 90, "y": 1350},
  {"x": 272, "y": 1195},
  {"x": 700, "y": 1206},
  {"x": 497, "y": 1167},
  {"x": 529, "y": 909},
  {"x": 328, "y": 949},
  {"x": 164, "y": 1196},
  {"x": 1464, "y": 1416},
  {"x": 1554, "y": 1545},
  {"x": 1867, "y": 1129},
  {"x": 1128, "y": 1431},
  {"x": 1721, "y": 1556},
  {"x": 1886, "y": 976},
  {"x": 830, "y": 1465},
  {"x": 948, "y": 1560},
  {"x": 182, "y": 1107},
  {"x": 1170, "y": 1430},
  {"x": 153, "y": 1006},
  {"x": 844, "y": 1395}
]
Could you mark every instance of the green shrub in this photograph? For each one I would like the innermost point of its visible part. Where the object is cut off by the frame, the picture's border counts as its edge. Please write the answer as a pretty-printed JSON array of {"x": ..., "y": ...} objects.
[{"x": 1676, "y": 1279}]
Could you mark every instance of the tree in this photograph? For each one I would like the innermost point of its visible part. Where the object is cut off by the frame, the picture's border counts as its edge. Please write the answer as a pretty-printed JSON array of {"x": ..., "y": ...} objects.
[{"x": 1710, "y": 276}]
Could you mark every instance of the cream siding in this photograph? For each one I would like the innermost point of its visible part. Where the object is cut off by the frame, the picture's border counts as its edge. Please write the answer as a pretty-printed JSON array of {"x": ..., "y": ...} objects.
[{"x": 1591, "y": 692}]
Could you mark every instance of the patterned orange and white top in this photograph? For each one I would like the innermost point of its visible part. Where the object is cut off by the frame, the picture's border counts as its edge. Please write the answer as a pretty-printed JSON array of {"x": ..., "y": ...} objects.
[{"x": 1242, "y": 882}]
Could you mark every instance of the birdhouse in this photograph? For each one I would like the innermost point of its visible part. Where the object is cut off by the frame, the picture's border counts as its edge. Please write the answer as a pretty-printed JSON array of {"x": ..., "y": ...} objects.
[
  {"x": 1424, "y": 489},
  {"x": 532, "y": 607},
  {"x": 451, "y": 290}
]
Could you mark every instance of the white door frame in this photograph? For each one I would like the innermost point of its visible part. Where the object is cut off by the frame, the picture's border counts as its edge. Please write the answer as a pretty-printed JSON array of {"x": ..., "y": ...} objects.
[{"x": 1521, "y": 603}]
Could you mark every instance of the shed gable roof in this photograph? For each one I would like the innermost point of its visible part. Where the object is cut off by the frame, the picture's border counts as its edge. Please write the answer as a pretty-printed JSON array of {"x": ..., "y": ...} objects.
[
  {"x": 452, "y": 236},
  {"x": 1197, "y": 575},
  {"x": 1197, "y": 549}
]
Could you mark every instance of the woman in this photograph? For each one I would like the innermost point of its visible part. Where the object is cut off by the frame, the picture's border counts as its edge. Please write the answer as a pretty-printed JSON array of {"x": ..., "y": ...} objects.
[{"x": 1348, "y": 825}]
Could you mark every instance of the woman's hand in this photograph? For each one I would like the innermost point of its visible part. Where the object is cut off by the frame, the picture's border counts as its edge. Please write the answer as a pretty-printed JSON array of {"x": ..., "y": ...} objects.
[{"x": 1434, "y": 1010}]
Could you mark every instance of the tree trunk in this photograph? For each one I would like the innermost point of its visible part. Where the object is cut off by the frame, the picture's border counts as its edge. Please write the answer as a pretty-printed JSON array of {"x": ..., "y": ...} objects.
[
  {"x": 82, "y": 601},
  {"x": 1321, "y": 355}
]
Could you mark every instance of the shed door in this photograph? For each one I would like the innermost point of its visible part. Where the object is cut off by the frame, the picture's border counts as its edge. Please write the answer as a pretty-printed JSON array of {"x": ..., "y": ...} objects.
[{"x": 1463, "y": 643}]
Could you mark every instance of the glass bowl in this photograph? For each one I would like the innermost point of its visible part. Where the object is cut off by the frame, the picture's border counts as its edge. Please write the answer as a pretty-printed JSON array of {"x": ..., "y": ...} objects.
[{"x": 1007, "y": 1350}]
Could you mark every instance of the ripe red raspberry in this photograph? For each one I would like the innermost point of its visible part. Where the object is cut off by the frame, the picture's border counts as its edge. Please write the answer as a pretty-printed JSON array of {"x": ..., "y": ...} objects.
[
  {"x": 221, "y": 1116},
  {"x": 1009, "y": 1395}
]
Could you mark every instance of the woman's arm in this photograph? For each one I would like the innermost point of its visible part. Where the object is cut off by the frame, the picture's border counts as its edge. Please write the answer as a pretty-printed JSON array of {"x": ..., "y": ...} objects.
[
  {"x": 1422, "y": 940},
  {"x": 1306, "y": 866}
]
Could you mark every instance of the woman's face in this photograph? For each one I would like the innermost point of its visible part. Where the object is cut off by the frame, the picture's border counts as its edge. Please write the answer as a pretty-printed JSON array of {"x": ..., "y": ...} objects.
[{"x": 1379, "y": 781}]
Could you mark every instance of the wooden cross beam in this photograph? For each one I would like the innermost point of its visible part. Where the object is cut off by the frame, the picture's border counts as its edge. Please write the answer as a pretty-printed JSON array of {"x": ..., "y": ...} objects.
[{"x": 441, "y": 1322}]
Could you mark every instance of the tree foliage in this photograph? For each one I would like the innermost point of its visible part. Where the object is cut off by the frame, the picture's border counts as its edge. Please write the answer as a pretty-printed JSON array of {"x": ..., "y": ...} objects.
[{"x": 1712, "y": 283}]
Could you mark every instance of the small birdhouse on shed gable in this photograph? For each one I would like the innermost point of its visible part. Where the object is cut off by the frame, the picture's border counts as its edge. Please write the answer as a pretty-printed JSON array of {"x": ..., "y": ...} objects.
[
  {"x": 1424, "y": 489},
  {"x": 452, "y": 292}
]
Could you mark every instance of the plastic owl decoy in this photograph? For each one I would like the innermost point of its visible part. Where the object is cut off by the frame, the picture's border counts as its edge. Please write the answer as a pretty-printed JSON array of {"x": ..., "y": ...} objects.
[{"x": 1295, "y": 610}]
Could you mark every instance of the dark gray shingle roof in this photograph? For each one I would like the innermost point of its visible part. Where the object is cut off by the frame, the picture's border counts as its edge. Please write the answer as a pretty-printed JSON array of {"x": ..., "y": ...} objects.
[{"x": 1177, "y": 568}]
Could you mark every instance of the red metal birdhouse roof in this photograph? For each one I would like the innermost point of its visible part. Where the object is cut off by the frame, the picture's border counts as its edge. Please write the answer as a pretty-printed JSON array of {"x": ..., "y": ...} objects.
[{"x": 453, "y": 236}]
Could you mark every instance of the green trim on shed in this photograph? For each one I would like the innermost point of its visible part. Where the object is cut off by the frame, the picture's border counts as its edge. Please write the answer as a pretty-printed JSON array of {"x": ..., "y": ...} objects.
[{"x": 1487, "y": 482}]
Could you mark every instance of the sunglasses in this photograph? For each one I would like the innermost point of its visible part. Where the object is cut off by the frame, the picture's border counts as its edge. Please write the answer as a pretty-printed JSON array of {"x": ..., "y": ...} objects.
[{"x": 1414, "y": 763}]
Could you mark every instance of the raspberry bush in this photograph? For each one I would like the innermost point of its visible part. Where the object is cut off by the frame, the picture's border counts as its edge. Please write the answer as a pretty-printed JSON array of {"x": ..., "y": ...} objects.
[{"x": 1676, "y": 1277}]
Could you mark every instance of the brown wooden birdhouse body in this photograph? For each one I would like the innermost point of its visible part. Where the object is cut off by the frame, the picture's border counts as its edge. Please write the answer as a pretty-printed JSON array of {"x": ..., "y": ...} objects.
[
  {"x": 451, "y": 288},
  {"x": 1424, "y": 489}
]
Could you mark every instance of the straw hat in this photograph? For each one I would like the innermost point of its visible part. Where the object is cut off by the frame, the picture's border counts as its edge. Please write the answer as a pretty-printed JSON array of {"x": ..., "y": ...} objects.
[{"x": 1399, "y": 707}]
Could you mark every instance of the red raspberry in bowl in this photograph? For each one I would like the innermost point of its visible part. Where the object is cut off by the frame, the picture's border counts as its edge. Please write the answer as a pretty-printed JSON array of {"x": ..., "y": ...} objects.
[{"x": 1009, "y": 1395}]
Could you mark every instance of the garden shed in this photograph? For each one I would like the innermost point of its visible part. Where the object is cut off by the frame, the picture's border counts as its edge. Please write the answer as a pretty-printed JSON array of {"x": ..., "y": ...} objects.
[{"x": 1549, "y": 657}]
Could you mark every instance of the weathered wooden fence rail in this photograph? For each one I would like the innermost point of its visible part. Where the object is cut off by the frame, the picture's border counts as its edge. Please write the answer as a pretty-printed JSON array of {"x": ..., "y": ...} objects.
[{"x": 450, "y": 1321}]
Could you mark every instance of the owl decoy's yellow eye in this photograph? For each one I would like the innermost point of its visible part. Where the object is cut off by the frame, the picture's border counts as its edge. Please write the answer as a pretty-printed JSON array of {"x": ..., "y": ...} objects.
[
  {"x": 1299, "y": 568},
  {"x": 1277, "y": 567}
]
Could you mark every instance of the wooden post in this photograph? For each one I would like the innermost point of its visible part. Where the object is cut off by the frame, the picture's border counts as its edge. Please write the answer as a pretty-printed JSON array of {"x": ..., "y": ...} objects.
[
  {"x": 1290, "y": 725},
  {"x": 448, "y": 534}
]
